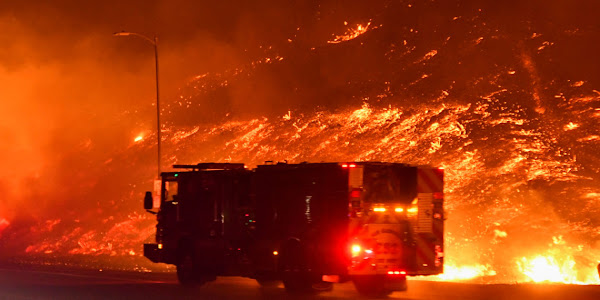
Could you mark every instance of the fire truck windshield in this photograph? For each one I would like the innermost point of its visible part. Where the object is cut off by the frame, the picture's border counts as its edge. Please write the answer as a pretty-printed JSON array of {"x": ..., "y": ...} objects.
[{"x": 170, "y": 190}]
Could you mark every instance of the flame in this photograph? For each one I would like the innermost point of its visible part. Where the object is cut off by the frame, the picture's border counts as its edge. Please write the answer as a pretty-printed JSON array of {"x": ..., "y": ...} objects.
[
  {"x": 459, "y": 273},
  {"x": 558, "y": 269},
  {"x": 559, "y": 264},
  {"x": 138, "y": 138}
]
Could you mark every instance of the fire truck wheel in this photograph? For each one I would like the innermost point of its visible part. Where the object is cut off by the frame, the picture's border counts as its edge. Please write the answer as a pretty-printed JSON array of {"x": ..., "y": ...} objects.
[
  {"x": 297, "y": 282},
  {"x": 188, "y": 272},
  {"x": 293, "y": 269},
  {"x": 371, "y": 285}
]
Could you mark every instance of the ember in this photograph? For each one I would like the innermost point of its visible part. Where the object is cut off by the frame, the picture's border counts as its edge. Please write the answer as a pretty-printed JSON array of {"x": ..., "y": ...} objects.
[{"x": 351, "y": 33}]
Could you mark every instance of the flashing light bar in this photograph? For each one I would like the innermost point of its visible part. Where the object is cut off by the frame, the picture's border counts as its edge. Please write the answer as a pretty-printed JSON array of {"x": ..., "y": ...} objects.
[
  {"x": 399, "y": 209},
  {"x": 379, "y": 209},
  {"x": 413, "y": 210}
]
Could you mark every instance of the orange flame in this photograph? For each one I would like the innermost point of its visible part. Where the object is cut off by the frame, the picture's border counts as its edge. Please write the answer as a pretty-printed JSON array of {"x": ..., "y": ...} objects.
[
  {"x": 557, "y": 269},
  {"x": 458, "y": 273}
]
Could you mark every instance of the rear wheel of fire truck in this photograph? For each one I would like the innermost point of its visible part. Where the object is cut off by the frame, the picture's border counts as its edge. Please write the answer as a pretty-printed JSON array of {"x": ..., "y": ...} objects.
[
  {"x": 185, "y": 269},
  {"x": 294, "y": 272},
  {"x": 371, "y": 285}
]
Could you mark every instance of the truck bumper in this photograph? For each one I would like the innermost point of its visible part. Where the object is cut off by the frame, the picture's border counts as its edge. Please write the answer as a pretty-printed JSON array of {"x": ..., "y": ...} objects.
[{"x": 152, "y": 252}]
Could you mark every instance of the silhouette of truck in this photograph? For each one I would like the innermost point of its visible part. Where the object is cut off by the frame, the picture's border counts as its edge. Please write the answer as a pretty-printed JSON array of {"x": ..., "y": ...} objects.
[{"x": 306, "y": 224}]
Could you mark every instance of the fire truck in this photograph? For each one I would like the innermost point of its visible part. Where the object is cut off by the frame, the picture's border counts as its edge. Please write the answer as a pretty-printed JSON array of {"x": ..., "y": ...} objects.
[{"x": 306, "y": 224}]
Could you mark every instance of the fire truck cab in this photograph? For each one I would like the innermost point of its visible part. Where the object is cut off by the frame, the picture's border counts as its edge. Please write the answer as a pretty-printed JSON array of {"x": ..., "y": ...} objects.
[{"x": 304, "y": 224}]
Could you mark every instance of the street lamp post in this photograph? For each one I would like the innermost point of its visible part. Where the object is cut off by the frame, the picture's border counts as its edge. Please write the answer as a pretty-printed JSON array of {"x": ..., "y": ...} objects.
[{"x": 154, "y": 43}]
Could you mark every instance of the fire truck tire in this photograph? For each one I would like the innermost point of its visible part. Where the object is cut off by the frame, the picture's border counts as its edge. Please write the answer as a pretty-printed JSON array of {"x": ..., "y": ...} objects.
[
  {"x": 296, "y": 282},
  {"x": 292, "y": 267},
  {"x": 371, "y": 285},
  {"x": 188, "y": 272}
]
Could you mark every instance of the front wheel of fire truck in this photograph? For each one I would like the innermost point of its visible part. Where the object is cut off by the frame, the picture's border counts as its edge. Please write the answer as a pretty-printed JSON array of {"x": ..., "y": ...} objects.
[
  {"x": 377, "y": 285},
  {"x": 188, "y": 272}
]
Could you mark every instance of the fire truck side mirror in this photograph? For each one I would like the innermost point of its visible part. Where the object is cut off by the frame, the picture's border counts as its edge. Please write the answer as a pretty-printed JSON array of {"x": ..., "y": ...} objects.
[{"x": 148, "y": 201}]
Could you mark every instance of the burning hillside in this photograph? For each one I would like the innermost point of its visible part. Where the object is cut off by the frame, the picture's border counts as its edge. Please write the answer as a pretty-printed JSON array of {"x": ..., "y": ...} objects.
[{"x": 505, "y": 103}]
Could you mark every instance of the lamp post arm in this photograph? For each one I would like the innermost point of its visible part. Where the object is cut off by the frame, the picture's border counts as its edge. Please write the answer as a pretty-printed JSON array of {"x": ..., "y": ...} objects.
[{"x": 126, "y": 33}]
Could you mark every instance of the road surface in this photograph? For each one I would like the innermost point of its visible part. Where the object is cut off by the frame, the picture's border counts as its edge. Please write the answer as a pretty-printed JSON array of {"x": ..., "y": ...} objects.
[{"x": 49, "y": 283}]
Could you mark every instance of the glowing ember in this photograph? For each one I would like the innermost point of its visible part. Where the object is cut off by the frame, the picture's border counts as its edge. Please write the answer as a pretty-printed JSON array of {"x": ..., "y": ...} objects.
[
  {"x": 351, "y": 33},
  {"x": 118, "y": 239},
  {"x": 571, "y": 126}
]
